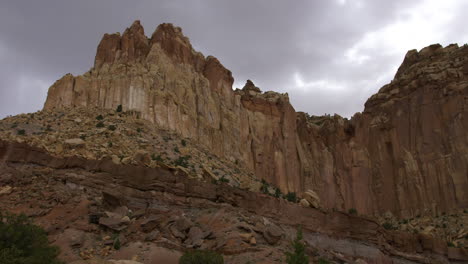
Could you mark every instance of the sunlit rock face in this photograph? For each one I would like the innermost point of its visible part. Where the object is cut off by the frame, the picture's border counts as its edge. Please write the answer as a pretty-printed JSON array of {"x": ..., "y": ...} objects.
[{"x": 406, "y": 153}]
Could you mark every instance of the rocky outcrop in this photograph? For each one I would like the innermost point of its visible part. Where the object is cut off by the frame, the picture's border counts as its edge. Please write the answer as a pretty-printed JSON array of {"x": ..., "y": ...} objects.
[
  {"x": 406, "y": 153},
  {"x": 179, "y": 89}
]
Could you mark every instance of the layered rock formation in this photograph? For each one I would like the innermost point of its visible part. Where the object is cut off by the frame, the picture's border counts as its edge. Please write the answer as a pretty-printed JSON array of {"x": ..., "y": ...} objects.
[
  {"x": 406, "y": 153},
  {"x": 170, "y": 84},
  {"x": 82, "y": 203}
]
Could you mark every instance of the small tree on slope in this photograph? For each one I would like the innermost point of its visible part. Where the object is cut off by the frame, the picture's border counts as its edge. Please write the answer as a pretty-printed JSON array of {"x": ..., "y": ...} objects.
[{"x": 298, "y": 256}]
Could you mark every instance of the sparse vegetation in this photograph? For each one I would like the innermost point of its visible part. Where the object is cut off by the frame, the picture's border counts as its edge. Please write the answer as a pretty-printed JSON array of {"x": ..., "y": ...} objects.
[
  {"x": 352, "y": 211},
  {"x": 388, "y": 226},
  {"x": 182, "y": 161},
  {"x": 99, "y": 117},
  {"x": 111, "y": 127},
  {"x": 264, "y": 187},
  {"x": 183, "y": 142},
  {"x": 22, "y": 242},
  {"x": 323, "y": 261},
  {"x": 117, "y": 244},
  {"x": 100, "y": 124},
  {"x": 291, "y": 196},
  {"x": 157, "y": 158},
  {"x": 450, "y": 244},
  {"x": 297, "y": 256},
  {"x": 201, "y": 257},
  {"x": 223, "y": 179},
  {"x": 21, "y": 132},
  {"x": 278, "y": 193},
  {"x": 119, "y": 109}
]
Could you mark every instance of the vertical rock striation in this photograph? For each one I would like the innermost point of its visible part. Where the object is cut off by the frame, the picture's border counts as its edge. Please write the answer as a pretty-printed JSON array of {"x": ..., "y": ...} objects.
[{"x": 406, "y": 153}]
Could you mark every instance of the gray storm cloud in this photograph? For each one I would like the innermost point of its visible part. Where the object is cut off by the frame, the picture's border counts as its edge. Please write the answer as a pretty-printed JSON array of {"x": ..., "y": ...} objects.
[{"x": 329, "y": 56}]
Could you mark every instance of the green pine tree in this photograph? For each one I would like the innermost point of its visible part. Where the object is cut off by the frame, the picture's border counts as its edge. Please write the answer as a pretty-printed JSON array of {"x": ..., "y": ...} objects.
[{"x": 298, "y": 256}]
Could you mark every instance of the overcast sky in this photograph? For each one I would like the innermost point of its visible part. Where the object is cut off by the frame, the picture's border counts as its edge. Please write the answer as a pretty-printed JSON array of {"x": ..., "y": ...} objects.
[{"x": 329, "y": 55}]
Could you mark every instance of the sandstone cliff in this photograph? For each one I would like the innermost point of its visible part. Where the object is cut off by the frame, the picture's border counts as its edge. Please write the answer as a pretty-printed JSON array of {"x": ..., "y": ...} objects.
[{"x": 406, "y": 153}]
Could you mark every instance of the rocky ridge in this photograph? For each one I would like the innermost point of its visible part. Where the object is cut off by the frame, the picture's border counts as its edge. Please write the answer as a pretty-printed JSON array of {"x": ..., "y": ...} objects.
[
  {"x": 124, "y": 138},
  {"x": 409, "y": 137}
]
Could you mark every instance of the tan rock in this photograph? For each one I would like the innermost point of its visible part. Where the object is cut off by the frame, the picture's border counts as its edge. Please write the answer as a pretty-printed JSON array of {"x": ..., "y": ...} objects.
[
  {"x": 246, "y": 236},
  {"x": 312, "y": 198},
  {"x": 6, "y": 190},
  {"x": 304, "y": 203},
  {"x": 208, "y": 174},
  {"x": 75, "y": 142},
  {"x": 115, "y": 159},
  {"x": 126, "y": 160},
  {"x": 59, "y": 148}
]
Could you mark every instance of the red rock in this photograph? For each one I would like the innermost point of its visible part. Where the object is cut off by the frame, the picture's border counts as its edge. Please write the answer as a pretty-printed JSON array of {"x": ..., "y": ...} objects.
[
  {"x": 405, "y": 153},
  {"x": 458, "y": 254}
]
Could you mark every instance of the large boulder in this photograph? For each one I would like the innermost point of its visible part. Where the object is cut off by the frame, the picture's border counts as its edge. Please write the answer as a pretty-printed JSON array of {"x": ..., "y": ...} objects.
[{"x": 313, "y": 199}]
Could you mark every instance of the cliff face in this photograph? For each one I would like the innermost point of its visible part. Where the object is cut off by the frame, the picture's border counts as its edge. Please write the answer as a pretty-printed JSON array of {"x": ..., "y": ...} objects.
[
  {"x": 177, "y": 88},
  {"x": 406, "y": 153}
]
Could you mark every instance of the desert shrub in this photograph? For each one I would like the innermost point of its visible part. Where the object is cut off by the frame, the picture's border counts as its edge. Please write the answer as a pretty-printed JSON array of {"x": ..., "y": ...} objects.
[
  {"x": 22, "y": 242},
  {"x": 352, "y": 211},
  {"x": 21, "y": 132},
  {"x": 223, "y": 179},
  {"x": 117, "y": 244},
  {"x": 182, "y": 161},
  {"x": 278, "y": 193},
  {"x": 323, "y": 261},
  {"x": 119, "y": 109},
  {"x": 291, "y": 196},
  {"x": 111, "y": 127},
  {"x": 157, "y": 158},
  {"x": 264, "y": 187},
  {"x": 99, "y": 117},
  {"x": 183, "y": 142},
  {"x": 388, "y": 226},
  {"x": 297, "y": 256},
  {"x": 201, "y": 257},
  {"x": 100, "y": 124},
  {"x": 450, "y": 244}
]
